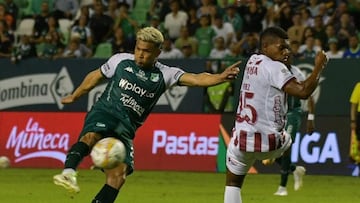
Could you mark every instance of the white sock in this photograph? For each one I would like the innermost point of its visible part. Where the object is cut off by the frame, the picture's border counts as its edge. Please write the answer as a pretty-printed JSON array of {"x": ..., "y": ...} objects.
[
  {"x": 232, "y": 195},
  {"x": 68, "y": 170}
]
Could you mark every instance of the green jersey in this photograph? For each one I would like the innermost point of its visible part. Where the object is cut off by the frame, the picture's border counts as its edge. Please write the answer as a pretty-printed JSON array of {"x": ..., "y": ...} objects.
[
  {"x": 294, "y": 103},
  {"x": 132, "y": 91}
]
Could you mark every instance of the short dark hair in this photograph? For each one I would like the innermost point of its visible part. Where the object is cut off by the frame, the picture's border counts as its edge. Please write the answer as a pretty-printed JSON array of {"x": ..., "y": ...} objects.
[{"x": 270, "y": 34}]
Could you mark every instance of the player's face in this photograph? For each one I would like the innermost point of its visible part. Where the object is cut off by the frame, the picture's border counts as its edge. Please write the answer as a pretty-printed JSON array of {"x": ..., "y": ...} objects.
[
  {"x": 278, "y": 50},
  {"x": 145, "y": 53}
]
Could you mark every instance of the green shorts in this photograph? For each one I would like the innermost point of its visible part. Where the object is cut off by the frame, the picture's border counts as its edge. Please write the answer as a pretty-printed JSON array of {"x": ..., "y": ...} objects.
[{"x": 107, "y": 125}]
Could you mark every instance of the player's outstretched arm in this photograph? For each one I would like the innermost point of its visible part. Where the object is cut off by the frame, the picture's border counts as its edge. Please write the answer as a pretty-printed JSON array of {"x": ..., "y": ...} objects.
[
  {"x": 207, "y": 79},
  {"x": 90, "y": 81},
  {"x": 303, "y": 90}
]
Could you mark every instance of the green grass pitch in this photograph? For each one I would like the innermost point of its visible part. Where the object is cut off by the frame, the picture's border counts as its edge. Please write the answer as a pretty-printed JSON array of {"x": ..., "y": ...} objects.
[{"x": 35, "y": 186}]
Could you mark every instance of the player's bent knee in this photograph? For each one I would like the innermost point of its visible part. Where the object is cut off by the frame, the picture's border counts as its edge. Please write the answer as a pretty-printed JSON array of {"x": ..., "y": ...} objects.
[{"x": 90, "y": 138}]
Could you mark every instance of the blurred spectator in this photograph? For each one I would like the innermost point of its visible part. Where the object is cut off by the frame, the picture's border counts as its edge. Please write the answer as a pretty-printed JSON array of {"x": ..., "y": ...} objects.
[
  {"x": 156, "y": 23},
  {"x": 41, "y": 21},
  {"x": 13, "y": 10},
  {"x": 341, "y": 8},
  {"x": 334, "y": 52},
  {"x": 75, "y": 49},
  {"x": 188, "y": 51},
  {"x": 6, "y": 40},
  {"x": 344, "y": 29},
  {"x": 168, "y": 51},
  {"x": 285, "y": 16},
  {"x": 120, "y": 44},
  {"x": 253, "y": 14},
  {"x": 309, "y": 31},
  {"x": 5, "y": 16},
  {"x": 306, "y": 17},
  {"x": 82, "y": 29},
  {"x": 65, "y": 8},
  {"x": 309, "y": 49},
  {"x": 52, "y": 26},
  {"x": 330, "y": 33},
  {"x": 208, "y": 7},
  {"x": 36, "y": 7},
  {"x": 51, "y": 47},
  {"x": 101, "y": 25},
  {"x": 295, "y": 46},
  {"x": 224, "y": 29},
  {"x": 112, "y": 9},
  {"x": 127, "y": 24},
  {"x": 23, "y": 50},
  {"x": 314, "y": 7},
  {"x": 323, "y": 12},
  {"x": 319, "y": 30},
  {"x": 231, "y": 16},
  {"x": 185, "y": 39},
  {"x": 159, "y": 8},
  {"x": 353, "y": 50},
  {"x": 249, "y": 44},
  {"x": 175, "y": 20},
  {"x": 218, "y": 52},
  {"x": 296, "y": 31},
  {"x": 193, "y": 21},
  {"x": 204, "y": 35},
  {"x": 354, "y": 10}
]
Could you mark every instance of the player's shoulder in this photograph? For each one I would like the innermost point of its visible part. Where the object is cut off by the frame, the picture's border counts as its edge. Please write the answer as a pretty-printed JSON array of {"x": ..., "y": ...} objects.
[
  {"x": 263, "y": 60},
  {"x": 123, "y": 56}
]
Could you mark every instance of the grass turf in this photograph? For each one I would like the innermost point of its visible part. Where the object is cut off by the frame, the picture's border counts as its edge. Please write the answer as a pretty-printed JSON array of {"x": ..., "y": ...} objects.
[{"x": 35, "y": 186}]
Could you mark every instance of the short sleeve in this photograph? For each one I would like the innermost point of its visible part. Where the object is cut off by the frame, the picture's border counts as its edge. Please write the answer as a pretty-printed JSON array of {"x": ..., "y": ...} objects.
[
  {"x": 355, "y": 96},
  {"x": 109, "y": 67},
  {"x": 171, "y": 74}
]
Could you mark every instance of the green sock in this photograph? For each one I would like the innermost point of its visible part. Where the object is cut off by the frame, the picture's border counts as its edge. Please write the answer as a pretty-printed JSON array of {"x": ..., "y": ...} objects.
[
  {"x": 75, "y": 155},
  {"x": 285, "y": 168}
]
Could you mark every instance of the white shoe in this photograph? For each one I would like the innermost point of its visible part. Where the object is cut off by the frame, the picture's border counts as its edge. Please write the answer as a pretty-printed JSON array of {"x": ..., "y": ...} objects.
[
  {"x": 298, "y": 177},
  {"x": 282, "y": 191},
  {"x": 67, "y": 181}
]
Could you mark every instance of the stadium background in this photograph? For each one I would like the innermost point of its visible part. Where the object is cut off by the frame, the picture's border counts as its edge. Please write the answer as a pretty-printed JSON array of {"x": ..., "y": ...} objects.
[{"x": 36, "y": 130}]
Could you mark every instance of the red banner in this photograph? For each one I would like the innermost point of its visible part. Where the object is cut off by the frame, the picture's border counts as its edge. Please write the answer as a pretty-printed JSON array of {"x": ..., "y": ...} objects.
[
  {"x": 39, "y": 140},
  {"x": 183, "y": 142},
  {"x": 165, "y": 142}
]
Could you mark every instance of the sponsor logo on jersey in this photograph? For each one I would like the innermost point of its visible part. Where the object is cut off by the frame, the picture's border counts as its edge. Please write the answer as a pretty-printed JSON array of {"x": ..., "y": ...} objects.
[
  {"x": 102, "y": 125},
  {"x": 141, "y": 75},
  {"x": 130, "y": 102},
  {"x": 126, "y": 85},
  {"x": 129, "y": 69},
  {"x": 154, "y": 77}
]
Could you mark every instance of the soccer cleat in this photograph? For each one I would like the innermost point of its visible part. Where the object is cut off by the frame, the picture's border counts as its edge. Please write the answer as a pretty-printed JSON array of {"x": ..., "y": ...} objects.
[
  {"x": 67, "y": 181},
  {"x": 282, "y": 191},
  {"x": 298, "y": 177}
]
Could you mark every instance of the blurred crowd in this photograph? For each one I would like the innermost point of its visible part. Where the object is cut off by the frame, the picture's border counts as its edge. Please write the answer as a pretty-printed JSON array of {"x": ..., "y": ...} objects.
[{"x": 211, "y": 29}]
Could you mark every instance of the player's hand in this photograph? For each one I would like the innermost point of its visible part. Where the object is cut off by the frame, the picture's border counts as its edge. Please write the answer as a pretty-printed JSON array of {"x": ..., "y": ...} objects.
[
  {"x": 232, "y": 71},
  {"x": 68, "y": 99},
  {"x": 321, "y": 59}
]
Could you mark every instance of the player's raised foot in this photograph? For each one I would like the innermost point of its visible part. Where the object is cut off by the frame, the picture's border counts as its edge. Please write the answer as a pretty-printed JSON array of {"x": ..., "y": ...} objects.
[
  {"x": 67, "y": 181},
  {"x": 298, "y": 177},
  {"x": 282, "y": 191}
]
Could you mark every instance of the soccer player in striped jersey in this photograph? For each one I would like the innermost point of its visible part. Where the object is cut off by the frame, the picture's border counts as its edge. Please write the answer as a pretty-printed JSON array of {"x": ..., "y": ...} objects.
[
  {"x": 293, "y": 124},
  {"x": 135, "y": 83},
  {"x": 259, "y": 129}
]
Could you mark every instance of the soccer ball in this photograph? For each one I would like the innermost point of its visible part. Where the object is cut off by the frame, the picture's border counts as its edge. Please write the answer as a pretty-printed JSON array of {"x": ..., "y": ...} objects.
[
  {"x": 4, "y": 162},
  {"x": 108, "y": 153}
]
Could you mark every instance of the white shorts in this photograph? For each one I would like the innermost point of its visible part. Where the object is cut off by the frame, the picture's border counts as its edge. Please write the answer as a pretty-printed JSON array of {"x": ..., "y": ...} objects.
[{"x": 239, "y": 162}]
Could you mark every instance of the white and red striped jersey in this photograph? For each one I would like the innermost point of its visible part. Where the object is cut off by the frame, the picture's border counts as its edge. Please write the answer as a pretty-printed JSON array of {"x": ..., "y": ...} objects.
[{"x": 261, "y": 112}]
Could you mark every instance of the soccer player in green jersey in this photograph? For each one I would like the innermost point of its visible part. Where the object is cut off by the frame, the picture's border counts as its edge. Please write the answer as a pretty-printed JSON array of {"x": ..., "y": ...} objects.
[{"x": 135, "y": 83}]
